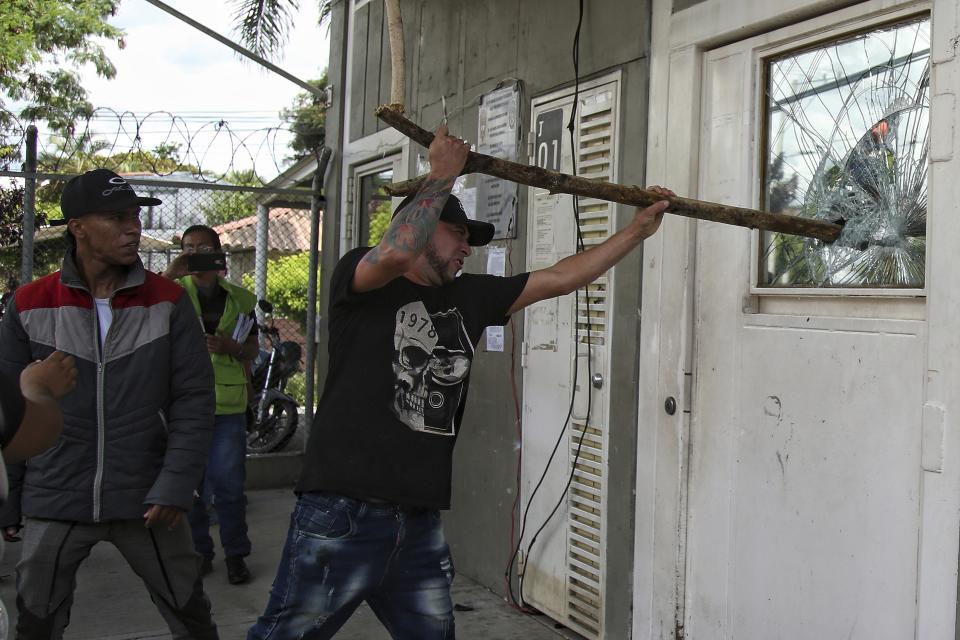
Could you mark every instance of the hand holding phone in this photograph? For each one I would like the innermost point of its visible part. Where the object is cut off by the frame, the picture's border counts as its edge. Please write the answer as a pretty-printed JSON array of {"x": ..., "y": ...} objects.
[{"x": 206, "y": 262}]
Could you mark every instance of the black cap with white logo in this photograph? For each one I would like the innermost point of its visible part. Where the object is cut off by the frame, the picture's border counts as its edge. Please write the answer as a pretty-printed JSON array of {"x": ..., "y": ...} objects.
[
  {"x": 99, "y": 191},
  {"x": 479, "y": 232}
]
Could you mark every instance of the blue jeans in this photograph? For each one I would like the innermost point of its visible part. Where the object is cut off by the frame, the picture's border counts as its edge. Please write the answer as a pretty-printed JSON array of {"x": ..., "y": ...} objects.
[
  {"x": 223, "y": 484},
  {"x": 341, "y": 552}
]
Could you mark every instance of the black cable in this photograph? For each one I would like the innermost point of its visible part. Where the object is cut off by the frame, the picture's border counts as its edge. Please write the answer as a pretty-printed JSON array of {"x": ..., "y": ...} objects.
[
  {"x": 571, "y": 128},
  {"x": 523, "y": 523},
  {"x": 546, "y": 467}
]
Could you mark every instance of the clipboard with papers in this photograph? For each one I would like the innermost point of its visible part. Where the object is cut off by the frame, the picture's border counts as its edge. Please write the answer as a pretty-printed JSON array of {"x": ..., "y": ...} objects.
[{"x": 244, "y": 326}]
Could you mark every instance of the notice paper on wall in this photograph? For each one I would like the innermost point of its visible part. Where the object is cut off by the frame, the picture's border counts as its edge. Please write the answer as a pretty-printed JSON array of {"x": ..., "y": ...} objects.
[
  {"x": 498, "y": 128},
  {"x": 496, "y": 266},
  {"x": 494, "y": 338},
  {"x": 497, "y": 261},
  {"x": 468, "y": 197}
]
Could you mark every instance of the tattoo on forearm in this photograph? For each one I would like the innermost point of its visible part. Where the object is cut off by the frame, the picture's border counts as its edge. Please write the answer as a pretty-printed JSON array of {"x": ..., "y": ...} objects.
[{"x": 413, "y": 227}]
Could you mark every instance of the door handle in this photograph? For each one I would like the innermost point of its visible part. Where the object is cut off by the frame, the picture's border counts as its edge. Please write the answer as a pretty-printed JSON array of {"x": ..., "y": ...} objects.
[{"x": 670, "y": 405}]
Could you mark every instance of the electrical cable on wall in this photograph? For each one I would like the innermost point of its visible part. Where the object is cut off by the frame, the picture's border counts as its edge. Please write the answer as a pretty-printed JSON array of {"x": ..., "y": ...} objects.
[
  {"x": 518, "y": 426},
  {"x": 571, "y": 127}
]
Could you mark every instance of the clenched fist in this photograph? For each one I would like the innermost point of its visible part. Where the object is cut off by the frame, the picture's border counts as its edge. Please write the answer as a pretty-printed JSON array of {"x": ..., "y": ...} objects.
[
  {"x": 648, "y": 219},
  {"x": 447, "y": 154}
]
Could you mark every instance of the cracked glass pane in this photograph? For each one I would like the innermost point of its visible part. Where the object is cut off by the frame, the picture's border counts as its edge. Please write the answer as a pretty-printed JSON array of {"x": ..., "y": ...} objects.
[{"x": 847, "y": 126}]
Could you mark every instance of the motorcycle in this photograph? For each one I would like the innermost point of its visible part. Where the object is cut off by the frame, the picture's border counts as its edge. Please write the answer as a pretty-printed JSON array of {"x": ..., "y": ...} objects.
[{"x": 272, "y": 414}]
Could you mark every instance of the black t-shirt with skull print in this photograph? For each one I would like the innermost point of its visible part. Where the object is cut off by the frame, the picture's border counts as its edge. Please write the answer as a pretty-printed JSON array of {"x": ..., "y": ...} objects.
[{"x": 397, "y": 382}]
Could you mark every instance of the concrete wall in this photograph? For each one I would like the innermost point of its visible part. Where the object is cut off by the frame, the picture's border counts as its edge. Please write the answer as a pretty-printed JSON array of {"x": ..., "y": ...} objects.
[
  {"x": 680, "y": 5},
  {"x": 459, "y": 50},
  {"x": 330, "y": 232}
]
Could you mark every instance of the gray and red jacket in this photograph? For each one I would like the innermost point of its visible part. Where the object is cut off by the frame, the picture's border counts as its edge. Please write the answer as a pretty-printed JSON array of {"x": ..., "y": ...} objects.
[{"x": 138, "y": 425}]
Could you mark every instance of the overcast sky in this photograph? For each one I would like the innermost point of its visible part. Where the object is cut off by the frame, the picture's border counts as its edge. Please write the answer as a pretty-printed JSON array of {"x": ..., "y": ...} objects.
[{"x": 168, "y": 65}]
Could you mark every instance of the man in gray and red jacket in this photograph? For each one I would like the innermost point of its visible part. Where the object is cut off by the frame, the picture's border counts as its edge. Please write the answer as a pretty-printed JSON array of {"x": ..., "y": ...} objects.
[{"x": 137, "y": 427}]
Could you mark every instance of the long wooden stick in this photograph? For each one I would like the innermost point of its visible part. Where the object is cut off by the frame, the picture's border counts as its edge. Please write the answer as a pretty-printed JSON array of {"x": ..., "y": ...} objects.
[
  {"x": 556, "y": 182},
  {"x": 398, "y": 57}
]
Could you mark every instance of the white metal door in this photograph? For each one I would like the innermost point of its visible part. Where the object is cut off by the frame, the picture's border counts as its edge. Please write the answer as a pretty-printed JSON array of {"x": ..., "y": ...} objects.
[
  {"x": 563, "y": 574},
  {"x": 805, "y": 478}
]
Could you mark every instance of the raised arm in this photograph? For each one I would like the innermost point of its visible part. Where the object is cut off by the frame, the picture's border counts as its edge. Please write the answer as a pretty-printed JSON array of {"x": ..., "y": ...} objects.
[
  {"x": 580, "y": 269},
  {"x": 411, "y": 229}
]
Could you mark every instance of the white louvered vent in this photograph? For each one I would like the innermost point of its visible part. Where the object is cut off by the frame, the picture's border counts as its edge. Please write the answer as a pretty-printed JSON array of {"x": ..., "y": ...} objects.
[
  {"x": 595, "y": 160},
  {"x": 585, "y": 532},
  {"x": 565, "y": 576}
]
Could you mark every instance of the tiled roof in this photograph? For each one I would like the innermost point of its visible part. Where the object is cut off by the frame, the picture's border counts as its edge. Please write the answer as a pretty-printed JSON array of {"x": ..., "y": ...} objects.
[
  {"x": 58, "y": 233},
  {"x": 288, "y": 231}
]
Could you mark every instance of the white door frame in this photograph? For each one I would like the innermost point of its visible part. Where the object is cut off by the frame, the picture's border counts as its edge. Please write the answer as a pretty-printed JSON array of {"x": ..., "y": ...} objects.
[
  {"x": 350, "y": 224},
  {"x": 678, "y": 43},
  {"x": 363, "y": 156}
]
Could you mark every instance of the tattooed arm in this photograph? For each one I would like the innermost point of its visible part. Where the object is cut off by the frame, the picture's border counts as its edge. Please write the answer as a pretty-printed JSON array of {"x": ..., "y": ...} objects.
[{"x": 413, "y": 226}]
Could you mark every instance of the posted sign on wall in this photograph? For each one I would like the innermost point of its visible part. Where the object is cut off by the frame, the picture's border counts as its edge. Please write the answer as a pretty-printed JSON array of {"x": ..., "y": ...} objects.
[
  {"x": 497, "y": 136},
  {"x": 548, "y": 133}
]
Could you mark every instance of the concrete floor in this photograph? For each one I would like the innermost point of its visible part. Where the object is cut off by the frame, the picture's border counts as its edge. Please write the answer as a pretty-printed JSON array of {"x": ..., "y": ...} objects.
[{"x": 112, "y": 604}]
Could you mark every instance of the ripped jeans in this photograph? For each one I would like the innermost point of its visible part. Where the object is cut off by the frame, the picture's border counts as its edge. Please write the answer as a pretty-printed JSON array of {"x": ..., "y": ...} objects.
[{"x": 340, "y": 552}]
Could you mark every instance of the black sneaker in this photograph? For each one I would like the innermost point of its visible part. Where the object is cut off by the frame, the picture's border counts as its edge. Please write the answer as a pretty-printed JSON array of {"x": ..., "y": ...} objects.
[
  {"x": 237, "y": 572},
  {"x": 206, "y": 566}
]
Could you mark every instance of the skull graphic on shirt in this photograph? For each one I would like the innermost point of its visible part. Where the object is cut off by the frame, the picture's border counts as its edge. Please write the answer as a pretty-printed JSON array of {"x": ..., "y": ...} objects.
[{"x": 430, "y": 364}]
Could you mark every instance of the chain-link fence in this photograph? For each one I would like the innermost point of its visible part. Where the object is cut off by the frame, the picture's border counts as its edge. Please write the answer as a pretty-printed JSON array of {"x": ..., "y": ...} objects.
[{"x": 270, "y": 236}]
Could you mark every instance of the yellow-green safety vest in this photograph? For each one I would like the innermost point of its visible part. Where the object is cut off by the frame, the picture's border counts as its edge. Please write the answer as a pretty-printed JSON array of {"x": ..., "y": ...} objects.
[{"x": 229, "y": 373}]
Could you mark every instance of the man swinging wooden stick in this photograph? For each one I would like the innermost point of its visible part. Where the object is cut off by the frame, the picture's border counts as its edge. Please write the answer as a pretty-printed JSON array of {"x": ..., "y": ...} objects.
[{"x": 377, "y": 469}]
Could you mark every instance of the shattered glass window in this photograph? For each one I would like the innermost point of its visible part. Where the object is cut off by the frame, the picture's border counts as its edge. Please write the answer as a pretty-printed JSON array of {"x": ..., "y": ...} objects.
[{"x": 847, "y": 126}]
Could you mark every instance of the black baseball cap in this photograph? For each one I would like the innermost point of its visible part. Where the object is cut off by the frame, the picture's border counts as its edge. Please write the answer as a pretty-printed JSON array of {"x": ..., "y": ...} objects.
[
  {"x": 99, "y": 191},
  {"x": 478, "y": 233}
]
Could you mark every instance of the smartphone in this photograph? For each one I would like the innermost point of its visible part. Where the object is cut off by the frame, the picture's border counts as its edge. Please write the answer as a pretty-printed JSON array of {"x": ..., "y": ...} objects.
[{"x": 206, "y": 262}]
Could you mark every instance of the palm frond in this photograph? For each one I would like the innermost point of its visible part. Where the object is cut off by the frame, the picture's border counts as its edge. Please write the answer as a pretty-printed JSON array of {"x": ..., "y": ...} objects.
[
  {"x": 264, "y": 25},
  {"x": 326, "y": 10}
]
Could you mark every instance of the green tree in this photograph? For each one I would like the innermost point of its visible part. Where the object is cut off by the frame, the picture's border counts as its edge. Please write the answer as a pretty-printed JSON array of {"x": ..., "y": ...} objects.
[
  {"x": 73, "y": 154},
  {"x": 307, "y": 118},
  {"x": 11, "y": 228},
  {"x": 11, "y": 214},
  {"x": 83, "y": 153},
  {"x": 287, "y": 279},
  {"x": 226, "y": 206},
  {"x": 47, "y": 255},
  {"x": 43, "y": 44},
  {"x": 379, "y": 222}
]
